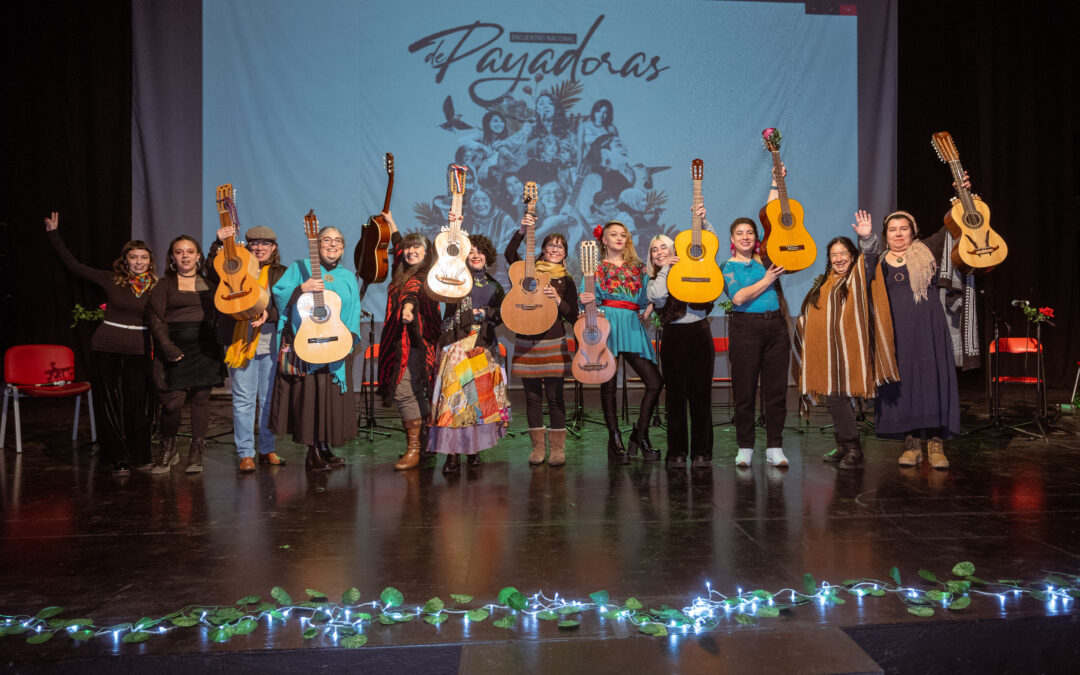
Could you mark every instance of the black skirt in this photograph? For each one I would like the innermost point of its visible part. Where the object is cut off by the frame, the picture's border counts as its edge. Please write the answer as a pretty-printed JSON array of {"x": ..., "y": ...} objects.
[{"x": 202, "y": 364}]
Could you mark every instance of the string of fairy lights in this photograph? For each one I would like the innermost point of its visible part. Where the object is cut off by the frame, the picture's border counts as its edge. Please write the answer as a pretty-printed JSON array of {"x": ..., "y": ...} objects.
[{"x": 346, "y": 623}]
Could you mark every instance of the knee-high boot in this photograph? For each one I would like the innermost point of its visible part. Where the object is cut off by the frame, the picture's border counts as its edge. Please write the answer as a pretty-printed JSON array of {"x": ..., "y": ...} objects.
[
  {"x": 616, "y": 451},
  {"x": 412, "y": 448}
]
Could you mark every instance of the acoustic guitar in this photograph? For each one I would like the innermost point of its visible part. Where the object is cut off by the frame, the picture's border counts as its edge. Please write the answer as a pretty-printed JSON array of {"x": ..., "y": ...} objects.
[
  {"x": 976, "y": 247},
  {"x": 696, "y": 277},
  {"x": 370, "y": 256},
  {"x": 593, "y": 362},
  {"x": 322, "y": 336},
  {"x": 786, "y": 241},
  {"x": 449, "y": 279},
  {"x": 525, "y": 309},
  {"x": 238, "y": 293}
]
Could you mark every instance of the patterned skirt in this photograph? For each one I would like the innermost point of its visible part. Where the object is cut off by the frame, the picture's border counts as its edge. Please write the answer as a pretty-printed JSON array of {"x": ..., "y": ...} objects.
[
  {"x": 471, "y": 408},
  {"x": 541, "y": 358}
]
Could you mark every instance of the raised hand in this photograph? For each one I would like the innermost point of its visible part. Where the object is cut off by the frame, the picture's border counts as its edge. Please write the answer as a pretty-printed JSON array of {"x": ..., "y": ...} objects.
[
  {"x": 967, "y": 182},
  {"x": 389, "y": 221},
  {"x": 698, "y": 211},
  {"x": 864, "y": 224},
  {"x": 527, "y": 220},
  {"x": 225, "y": 232},
  {"x": 52, "y": 222}
]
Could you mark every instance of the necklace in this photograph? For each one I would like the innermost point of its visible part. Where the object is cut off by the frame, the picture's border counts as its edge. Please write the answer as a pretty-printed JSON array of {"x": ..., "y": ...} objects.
[{"x": 188, "y": 276}]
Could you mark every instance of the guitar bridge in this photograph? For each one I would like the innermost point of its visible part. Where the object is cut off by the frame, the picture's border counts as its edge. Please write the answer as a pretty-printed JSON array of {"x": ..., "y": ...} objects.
[
  {"x": 321, "y": 340},
  {"x": 449, "y": 280},
  {"x": 696, "y": 280},
  {"x": 528, "y": 307},
  {"x": 793, "y": 247},
  {"x": 234, "y": 296},
  {"x": 594, "y": 366}
]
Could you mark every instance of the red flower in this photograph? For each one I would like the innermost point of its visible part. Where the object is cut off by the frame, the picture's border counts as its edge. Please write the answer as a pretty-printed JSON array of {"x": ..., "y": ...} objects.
[
  {"x": 102, "y": 308},
  {"x": 598, "y": 232},
  {"x": 1047, "y": 311}
]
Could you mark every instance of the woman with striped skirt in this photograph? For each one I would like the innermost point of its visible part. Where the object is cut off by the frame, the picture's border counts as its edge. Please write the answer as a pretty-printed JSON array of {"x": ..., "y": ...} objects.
[{"x": 543, "y": 361}]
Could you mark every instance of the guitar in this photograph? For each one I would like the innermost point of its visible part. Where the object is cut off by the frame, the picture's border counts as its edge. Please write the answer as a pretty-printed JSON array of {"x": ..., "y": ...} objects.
[
  {"x": 449, "y": 279},
  {"x": 976, "y": 247},
  {"x": 593, "y": 362},
  {"x": 696, "y": 277},
  {"x": 322, "y": 337},
  {"x": 525, "y": 309},
  {"x": 238, "y": 293},
  {"x": 786, "y": 241},
  {"x": 370, "y": 256}
]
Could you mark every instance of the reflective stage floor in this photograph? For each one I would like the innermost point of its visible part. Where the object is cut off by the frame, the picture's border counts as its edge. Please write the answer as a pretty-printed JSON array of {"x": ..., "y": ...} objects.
[{"x": 118, "y": 550}]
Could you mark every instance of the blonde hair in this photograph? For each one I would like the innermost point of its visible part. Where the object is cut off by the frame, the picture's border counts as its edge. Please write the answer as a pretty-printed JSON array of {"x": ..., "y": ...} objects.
[
  {"x": 629, "y": 255},
  {"x": 666, "y": 241}
]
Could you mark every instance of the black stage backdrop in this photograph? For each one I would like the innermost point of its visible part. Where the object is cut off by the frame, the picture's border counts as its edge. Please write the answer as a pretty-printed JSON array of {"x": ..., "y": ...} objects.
[{"x": 999, "y": 76}]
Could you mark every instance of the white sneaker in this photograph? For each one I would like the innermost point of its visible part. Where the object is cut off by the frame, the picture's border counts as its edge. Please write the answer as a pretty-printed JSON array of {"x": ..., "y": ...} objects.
[
  {"x": 744, "y": 457},
  {"x": 775, "y": 456}
]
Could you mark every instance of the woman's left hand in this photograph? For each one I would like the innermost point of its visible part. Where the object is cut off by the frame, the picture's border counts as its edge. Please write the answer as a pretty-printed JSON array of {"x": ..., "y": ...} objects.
[
  {"x": 644, "y": 316},
  {"x": 967, "y": 182},
  {"x": 864, "y": 224},
  {"x": 257, "y": 323},
  {"x": 698, "y": 211},
  {"x": 550, "y": 292}
]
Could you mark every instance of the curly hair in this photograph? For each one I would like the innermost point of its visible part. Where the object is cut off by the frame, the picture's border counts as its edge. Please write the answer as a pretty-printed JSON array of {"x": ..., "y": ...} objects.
[
  {"x": 485, "y": 247},
  {"x": 122, "y": 274}
]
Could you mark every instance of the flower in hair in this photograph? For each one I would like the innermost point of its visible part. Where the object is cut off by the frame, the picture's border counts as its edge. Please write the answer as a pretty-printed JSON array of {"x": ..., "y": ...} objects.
[{"x": 598, "y": 232}]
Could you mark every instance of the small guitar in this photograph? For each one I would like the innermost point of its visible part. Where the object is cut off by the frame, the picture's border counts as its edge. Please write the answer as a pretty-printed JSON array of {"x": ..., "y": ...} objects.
[
  {"x": 786, "y": 240},
  {"x": 322, "y": 337},
  {"x": 696, "y": 277},
  {"x": 525, "y": 309},
  {"x": 976, "y": 247},
  {"x": 593, "y": 362},
  {"x": 238, "y": 293},
  {"x": 370, "y": 255},
  {"x": 449, "y": 279}
]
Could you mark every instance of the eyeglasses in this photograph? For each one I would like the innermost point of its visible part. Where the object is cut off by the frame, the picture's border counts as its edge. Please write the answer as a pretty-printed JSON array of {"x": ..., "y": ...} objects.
[
  {"x": 336, "y": 241},
  {"x": 261, "y": 242},
  {"x": 555, "y": 246}
]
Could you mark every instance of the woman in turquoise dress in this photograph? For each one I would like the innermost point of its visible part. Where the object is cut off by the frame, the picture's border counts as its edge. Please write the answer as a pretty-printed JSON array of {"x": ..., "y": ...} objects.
[{"x": 621, "y": 280}]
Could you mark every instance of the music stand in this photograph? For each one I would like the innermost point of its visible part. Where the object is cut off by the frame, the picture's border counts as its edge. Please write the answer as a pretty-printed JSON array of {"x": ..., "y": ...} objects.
[{"x": 368, "y": 370}]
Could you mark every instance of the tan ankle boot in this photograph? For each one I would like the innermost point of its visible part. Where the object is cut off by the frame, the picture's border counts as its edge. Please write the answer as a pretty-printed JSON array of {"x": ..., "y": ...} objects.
[
  {"x": 912, "y": 454},
  {"x": 538, "y": 446},
  {"x": 557, "y": 438},
  {"x": 936, "y": 452},
  {"x": 412, "y": 450}
]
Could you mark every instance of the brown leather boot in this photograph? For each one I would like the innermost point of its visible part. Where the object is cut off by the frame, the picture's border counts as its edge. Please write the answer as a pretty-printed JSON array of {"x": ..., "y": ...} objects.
[
  {"x": 853, "y": 457},
  {"x": 557, "y": 439},
  {"x": 539, "y": 449},
  {"x": 935, "y": 451},
  {"x": 195, "y": 453},
  {"x": 167, "y": 457},
  {"x": 412, "y": 449},
  {"x": 912, "y": 454}
]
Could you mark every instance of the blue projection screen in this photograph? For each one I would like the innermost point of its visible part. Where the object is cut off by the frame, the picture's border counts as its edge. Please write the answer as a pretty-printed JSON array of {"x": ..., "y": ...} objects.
[{"x": 603, "y": 103}]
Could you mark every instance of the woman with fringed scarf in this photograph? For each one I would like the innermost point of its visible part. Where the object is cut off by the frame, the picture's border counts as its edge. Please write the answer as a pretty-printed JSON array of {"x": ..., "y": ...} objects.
[{"x": 843, "y": 350}]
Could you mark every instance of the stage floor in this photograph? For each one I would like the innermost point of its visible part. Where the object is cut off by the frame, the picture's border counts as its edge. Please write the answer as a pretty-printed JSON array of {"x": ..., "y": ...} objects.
[{"x": 117, "y": 550}]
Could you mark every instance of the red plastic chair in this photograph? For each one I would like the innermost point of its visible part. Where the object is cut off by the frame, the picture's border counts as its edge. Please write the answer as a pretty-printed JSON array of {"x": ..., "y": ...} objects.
[
  {"x": 1016, "y": 345},
  {"x": 720, "y": 346},
  {"x": 42, "y": 371},
  {"x": 371, "y": 353}
]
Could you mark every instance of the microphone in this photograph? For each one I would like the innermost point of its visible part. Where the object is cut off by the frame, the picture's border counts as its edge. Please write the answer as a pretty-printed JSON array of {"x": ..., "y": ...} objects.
[
  {"x": 1018, "y": 303},
  {"x": 364, "y": 314}
]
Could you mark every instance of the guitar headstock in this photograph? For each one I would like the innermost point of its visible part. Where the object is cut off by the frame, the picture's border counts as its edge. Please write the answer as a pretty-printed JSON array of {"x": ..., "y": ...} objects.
[
  {"x": 456, "y": 179},
  {"x": 697, "y": 169},
  {"x": 388, "y": 162},
  {"x": 311, "y": 225},
  {"x": 226, "y": 197},
  {"x": 590, "y": 256},
  {"x": 944, "y": 146},
  {"x": 771, "y": 138},
  {"x": 528, "y": 195}
]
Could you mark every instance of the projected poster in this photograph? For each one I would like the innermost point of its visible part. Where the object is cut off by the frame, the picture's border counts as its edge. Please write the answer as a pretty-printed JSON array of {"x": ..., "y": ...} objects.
[{"x": 602, "y": 103}]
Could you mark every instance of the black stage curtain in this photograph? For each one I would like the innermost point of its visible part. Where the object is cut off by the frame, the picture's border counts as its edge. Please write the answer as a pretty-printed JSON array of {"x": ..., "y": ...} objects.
[
  {"x": 66, "y": 146},
  {"x": 1000, "y": 77}
]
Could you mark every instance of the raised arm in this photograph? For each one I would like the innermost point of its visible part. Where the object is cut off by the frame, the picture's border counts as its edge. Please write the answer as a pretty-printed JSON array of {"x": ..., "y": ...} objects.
[{"x": 52, "y": 230}]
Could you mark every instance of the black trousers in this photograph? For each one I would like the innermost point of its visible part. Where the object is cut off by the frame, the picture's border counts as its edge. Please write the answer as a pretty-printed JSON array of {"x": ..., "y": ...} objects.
[
  {"x": 650, "y": 377},
  {"x": 684, "y": 350},
  {"x": 759, "y": 348},
  {"x": 843, "y": 417},
  {"x": 122, "y": 406},
  {"x": 172, "y": 401},
  {"x": 538, "y": 388}
]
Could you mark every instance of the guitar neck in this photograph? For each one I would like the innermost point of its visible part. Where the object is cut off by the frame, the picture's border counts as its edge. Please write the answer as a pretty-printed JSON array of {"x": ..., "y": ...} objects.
[
  {"x": 962, "y": 193},
  {"x": 226, "y": 217},
  {"x": 316, "y": 269},
  {"x": 589, "y": 284},
  {"x": 781, "y": 186},
  {"x": 389, "y": 191},
  {"x": 530, "y": 245},
  {"x": 455, "y": 207},
  {"x": 695, "y": 220}
]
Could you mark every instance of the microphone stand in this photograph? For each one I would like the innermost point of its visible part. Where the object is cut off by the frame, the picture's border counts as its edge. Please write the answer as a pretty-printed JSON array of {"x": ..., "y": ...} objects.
[{"x": 367, "y": 386}]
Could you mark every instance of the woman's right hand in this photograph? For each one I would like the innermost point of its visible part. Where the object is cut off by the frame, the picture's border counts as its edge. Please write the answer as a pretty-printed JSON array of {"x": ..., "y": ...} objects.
[
  {"x": 313, "y": 285},
  {"x": 52, "y": 222},
  {"x": 773, "y": 273},
  {"x": 586, "y": 298},
  {"x": 528, "y": 220},
  {"x": 864, "y": 224},
  {"x": 224, "y": 233}
]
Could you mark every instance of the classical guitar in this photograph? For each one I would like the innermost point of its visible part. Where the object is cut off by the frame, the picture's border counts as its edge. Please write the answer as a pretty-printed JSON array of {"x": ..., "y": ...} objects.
[
  {"x": 593, "y": 362},
  {"x": 322, "y": 336},
  {"x": 696, "y": 277},
  {"x": 238, "y": 293},
  {"x": 976, "y": 247},
  {"x": 370, "y": 255},
  {"x": 525, "y": 309},
  {"x": 786, "y": 240},
  {"x": 449, "y": 279}
]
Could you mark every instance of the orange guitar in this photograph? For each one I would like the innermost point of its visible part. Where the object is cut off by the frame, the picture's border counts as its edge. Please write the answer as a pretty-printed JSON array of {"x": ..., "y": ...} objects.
[
  {"x": 449, "y": 279},
  {"x": 977, "y": 247},
  {"x": 696, "y": 277},
  {"x": 238, "y": 293},
  {"x": 525, "y": 309},
  {"x": 786, "y": 241},
  {"x": 370, "y": 255},
  {"x": 593, "y": 362},
  {"x": 322, "y": 336}
]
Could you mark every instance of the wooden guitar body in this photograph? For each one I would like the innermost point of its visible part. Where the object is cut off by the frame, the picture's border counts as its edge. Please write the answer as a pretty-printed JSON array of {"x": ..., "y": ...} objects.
[
  {"x": 977, "y": 247},
  {"x": 449, "y": 279},
  {"x": 371, "y": 256},
  {"x": 525, "y": 309},
  {"x": 786, "y": 239},
  {"x": 593, "y": 362},
  {"x": 322, "y": 336},
  {"x": 238, "y": 293}
]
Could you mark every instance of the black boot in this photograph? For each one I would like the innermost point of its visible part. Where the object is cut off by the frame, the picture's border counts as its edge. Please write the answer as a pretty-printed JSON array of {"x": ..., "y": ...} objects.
[
  {"x": 314, "y": 461},
  {"x": 328, "y": 456},
  {"x": 639, "y": 438},
  {"x": 837, "y": 453},
  {"x": 616, "y": 451},
  {"x": 167, "y": 457},
  {"x": 195, "y": 453},
  {"x": 452, "y": 465},
  {"x": 853, "y": 457}
]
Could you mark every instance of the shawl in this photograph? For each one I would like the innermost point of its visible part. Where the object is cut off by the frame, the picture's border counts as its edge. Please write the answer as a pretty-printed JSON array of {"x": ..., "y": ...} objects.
[
  {"x": 398, "y": 337},
  {"x": 556, "y": 270}
]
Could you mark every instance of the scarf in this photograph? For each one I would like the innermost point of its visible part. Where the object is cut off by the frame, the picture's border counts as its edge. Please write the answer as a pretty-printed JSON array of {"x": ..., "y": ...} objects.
[
  {"x": 138, "y": 283},
  {"x": 245, "y": 339},
  {"x": 556, "y": 270}
]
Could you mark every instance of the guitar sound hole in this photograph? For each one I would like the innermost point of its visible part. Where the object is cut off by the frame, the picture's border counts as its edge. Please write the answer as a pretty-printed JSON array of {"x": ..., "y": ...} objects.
[
  {"x": 786, "y": 220},
  {"x": 591, "y": 335},
  {"x": 452, "y": 250},
  {"x": 528, "y": 284},
  {"x": 320, "y": 314},
  {"x": 973, "y": 219},
  {"x": 231, "y": 266},
  {"x": 696, "y": 251}
]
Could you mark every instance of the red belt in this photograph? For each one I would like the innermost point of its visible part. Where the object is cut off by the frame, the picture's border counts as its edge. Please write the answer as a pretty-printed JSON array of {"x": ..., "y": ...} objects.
[{"x": 620, "y": 304}]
